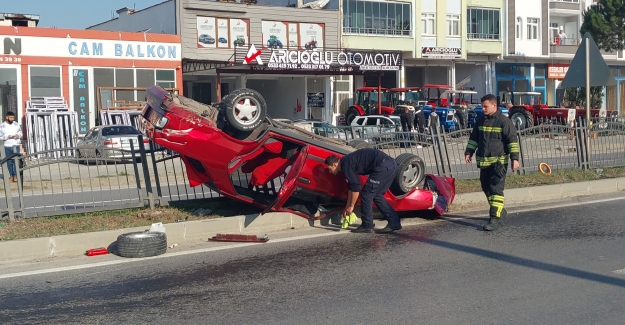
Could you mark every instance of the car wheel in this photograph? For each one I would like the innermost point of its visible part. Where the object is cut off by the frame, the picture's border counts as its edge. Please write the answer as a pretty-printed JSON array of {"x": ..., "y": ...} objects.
[
  {"x": 359, "y": 144},
  {"x": 410, "y": 173},
  {"x": 245, "y": 109},
  {"x": 141, "y": 244},
  {"x": 350, "y": 115},
  {"x": 521, "y": 118},
  {"x": 99, "y": 160}
]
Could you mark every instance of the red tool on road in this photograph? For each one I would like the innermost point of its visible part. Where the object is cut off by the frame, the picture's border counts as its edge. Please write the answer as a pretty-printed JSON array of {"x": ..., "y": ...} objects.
[
  {"x": 239, "y": 238},
  {"x": 97, "y": 251}
]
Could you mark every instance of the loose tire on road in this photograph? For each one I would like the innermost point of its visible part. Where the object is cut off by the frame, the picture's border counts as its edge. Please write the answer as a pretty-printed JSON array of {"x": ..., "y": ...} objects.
[
  {"x": 521, "y": 118},
  {"x": 245, "y": 109},
  {"x": 141, "y": 244},
  {"x": 359, "y": 144},
  {"x": 410, "y": 173}
]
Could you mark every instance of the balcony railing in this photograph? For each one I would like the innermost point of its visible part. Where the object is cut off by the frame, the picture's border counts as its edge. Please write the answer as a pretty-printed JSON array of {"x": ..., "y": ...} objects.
[
  {"x": 556, "y": 41},
  {"x": 483, "y": 36},
  {"x": 374, "y": 31}
]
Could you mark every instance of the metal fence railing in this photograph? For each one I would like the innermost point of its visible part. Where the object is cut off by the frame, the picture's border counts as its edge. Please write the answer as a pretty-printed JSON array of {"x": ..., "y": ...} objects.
[
  {"x": 87, "y": 179},
  {"x": 549, "y": 141},
  {"x": 83, "y": 179}
]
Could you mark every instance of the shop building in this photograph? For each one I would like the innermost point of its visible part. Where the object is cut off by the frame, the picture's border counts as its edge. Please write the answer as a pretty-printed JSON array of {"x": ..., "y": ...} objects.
[
  {"x": 74, "y": 64},
  {"x": 216, "y": 37},
  {"x": 542, "y": 37},
  {"x": 449, "y": 42}
]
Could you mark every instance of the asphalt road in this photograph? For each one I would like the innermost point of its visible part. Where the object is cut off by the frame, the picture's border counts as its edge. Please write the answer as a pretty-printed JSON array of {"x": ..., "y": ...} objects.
[{"x": 545, "y": 267}]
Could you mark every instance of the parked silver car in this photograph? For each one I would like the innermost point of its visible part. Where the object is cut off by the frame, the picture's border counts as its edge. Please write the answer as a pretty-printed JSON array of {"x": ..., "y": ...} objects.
[{"x": 110, "y": 142}]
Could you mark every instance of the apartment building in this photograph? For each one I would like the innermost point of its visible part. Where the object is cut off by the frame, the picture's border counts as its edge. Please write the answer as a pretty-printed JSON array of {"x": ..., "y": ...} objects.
[{"x": 542, "y": 37}]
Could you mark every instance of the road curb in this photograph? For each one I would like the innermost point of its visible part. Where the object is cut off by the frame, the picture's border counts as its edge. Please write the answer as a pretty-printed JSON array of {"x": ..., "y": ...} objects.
[
  {"x": 78, "y": 244},
  {"x": 536, "y": 194}
]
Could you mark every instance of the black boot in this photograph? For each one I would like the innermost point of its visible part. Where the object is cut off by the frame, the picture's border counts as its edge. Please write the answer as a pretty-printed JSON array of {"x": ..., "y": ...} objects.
[
  {"x": 362, "y": 229},
  {"x": 492, "y": 225},
  {"x": 389, "y": 229}
]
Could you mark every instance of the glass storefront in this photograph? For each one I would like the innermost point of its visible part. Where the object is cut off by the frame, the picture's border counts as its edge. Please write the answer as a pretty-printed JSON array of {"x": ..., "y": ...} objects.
[{"x": 8, "y": 90}]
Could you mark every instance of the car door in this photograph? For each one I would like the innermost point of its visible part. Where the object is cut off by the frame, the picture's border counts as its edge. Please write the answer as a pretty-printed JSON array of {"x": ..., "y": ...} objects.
[{"x": 288, "y": 185}]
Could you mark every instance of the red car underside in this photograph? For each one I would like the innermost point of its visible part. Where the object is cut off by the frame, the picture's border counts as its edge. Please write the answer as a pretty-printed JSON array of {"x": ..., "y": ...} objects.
[{"x": 276, "y": 168}]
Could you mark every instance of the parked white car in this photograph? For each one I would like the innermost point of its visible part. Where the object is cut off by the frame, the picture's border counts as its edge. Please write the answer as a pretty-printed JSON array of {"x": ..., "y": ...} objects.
[
  {"x": 378, "y": 128},
  {"x": 321, "y": 128}
]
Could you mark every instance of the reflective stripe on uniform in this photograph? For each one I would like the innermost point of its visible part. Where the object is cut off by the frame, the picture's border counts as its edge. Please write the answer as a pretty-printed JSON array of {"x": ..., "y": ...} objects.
[
  {"x": 496, "y": 201},
  {"x": 472, "y": 145},
  {"x": 493, "y": 129},
  {"x": 513, "y": 147},
  {"x": 487, "y": 161}
]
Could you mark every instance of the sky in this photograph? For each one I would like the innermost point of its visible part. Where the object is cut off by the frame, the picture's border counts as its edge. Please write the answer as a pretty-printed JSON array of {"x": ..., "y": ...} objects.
[{"x": 74, "y": 14}]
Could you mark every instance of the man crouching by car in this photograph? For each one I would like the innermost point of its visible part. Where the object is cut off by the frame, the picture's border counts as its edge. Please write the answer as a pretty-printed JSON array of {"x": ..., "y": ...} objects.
[{"x": 381, "y": 170}]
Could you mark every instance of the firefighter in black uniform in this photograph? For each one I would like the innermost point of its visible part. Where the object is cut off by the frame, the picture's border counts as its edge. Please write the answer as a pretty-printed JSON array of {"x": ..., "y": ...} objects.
[
  {"x": 381, "y": 169},
  {"x": 493, "y": 138}
]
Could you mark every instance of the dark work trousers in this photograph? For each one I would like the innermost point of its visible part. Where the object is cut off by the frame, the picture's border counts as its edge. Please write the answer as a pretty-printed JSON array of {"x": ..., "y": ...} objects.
[
  {"x": 378, "y": 183},
  {"x": 10, "y": 163},
  {"x": 493, "y": 187}
]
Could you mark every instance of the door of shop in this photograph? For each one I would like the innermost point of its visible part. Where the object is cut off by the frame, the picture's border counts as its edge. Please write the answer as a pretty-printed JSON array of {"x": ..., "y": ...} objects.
[
  {"x": 202, "y": 92},
  {"x": 9, "y": 90}
]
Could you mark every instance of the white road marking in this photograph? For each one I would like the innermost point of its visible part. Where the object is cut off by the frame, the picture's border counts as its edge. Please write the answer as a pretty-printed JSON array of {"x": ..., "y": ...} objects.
[
  {"x": 195, "y": 251},
  {"x": 273, "y": 241},
  {"x": 621, "y": 271},
  {"x": 539, "y": 208}
]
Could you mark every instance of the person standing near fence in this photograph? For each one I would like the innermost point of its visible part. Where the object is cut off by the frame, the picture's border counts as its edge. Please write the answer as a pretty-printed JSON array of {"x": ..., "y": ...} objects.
[
  {"x": 493, "y": 139},
  {"x": 10, "y": 133}
]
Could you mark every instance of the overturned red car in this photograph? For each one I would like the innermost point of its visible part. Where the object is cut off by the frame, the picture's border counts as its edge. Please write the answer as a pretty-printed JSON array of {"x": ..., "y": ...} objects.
[{"x": 235, "y": 149}]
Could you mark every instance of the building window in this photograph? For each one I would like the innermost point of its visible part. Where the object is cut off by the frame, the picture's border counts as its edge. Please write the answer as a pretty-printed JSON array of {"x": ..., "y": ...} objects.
[
  {"x": 166, "y": 78},
  {"x": 453, "y": 25},
  {"x": 519, "y": 26},
  {"x": 428, "y": 24},
  {"x": 377, "y": 18},
  {"x": 45, "y": 82},
  {"x": 532, "y": 28},
  {"x": 483, "y": 24}
]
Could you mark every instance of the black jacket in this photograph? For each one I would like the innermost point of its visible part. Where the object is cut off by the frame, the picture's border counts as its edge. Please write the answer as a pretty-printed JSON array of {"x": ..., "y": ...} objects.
[
  {"x": 406, "y": 121},
  {"x": 360, "y": 162},
  {"x": 493, "y": 138}
]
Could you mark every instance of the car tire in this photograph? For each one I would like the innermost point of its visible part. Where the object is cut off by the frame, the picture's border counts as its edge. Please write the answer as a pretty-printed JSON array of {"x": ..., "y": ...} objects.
[
  {"x": 98, "y": 158},
  {"x": 522, "y": 117},
  {"x": 410, "y": 173},
  {"x": 141, "y": 244},
  {"x": 237, "y": 108},
  {"x": 350, "y": 115},
  {"x": 359, "y": 144}
]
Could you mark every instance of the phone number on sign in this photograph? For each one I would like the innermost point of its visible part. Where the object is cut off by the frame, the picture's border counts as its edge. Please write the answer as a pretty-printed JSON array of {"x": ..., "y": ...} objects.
[
  {"x": 298, "y": 66},
  {"x": 9, "y": 59}
]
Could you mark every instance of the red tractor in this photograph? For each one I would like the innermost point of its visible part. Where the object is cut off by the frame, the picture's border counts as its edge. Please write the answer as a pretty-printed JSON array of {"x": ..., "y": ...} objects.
[
  {"x": 369, "y": 101},
  {"x": 526, "y": 110}
]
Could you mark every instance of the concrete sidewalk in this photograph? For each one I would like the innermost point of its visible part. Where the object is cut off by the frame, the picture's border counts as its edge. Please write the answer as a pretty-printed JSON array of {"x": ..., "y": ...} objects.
[{"x": 193, "y": 231}]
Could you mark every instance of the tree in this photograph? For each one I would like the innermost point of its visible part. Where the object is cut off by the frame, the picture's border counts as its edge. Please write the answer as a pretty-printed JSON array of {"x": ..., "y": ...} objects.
[
  {"x": 577, "y": 97},
  {"x": 605, "y": 21}
]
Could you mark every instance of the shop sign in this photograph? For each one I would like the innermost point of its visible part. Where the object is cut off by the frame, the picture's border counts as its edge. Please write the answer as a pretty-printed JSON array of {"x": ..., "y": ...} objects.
[
  {"x": 316, "y": 100},
  {"x": 325, "y": 60},
  {"x": 80, "y": 82},
  {"x": 292, "y": 36},
  {"x": 441, "y": 52},
  {"x": 557, "y": 71},
  {"x": 222, "y": 32},
  {"x": 14, "y": 47}
]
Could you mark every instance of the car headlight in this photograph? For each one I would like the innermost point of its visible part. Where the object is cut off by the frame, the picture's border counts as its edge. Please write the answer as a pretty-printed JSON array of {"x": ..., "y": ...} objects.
[{"x": 162, "y": 122}]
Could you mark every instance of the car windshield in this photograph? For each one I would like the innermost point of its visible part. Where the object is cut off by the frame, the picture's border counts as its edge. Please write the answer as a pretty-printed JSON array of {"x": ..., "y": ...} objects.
[{"x": 119, "y": 130}]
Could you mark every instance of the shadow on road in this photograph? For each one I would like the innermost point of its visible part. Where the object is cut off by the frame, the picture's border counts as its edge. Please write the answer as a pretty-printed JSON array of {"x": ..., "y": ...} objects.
[{"x": 502, "y": 257}]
